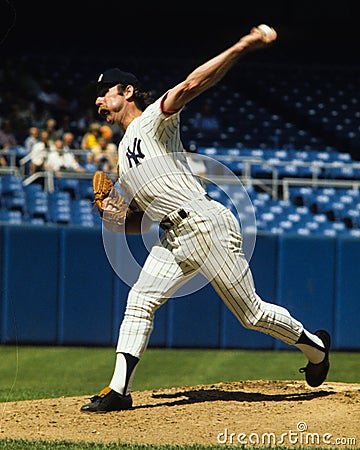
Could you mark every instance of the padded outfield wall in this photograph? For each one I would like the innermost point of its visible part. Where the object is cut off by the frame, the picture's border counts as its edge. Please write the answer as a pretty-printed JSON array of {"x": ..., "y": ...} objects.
[{"x": 59, "y": 288}]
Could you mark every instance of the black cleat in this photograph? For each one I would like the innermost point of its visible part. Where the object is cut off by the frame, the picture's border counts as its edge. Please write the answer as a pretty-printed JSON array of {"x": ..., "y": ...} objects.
[
  {"x": 107, "y": 400},
  {"x": 315, "y": 374}
]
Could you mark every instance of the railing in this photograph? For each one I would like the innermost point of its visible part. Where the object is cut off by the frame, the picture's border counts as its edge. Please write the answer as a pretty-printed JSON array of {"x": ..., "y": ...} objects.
[
  {"x": 218, "y": 172},
  {"x": 10, "y": 170},
  {"x": 49, "y": 177},
  {"x": 287, "y": 182},
  {"x": 81, "y": 154},
  {"x": 11, "y": 154},
  {"x": 273, "y": 184}
]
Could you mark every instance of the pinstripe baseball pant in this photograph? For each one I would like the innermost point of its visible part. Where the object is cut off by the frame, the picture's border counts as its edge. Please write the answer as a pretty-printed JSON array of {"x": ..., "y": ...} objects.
[{"x": 209, "y": 241}]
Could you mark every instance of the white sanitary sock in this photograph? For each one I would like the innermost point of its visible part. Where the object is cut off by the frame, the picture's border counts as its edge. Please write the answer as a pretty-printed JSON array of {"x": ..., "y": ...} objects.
[
  {"x": 313, "y": 353},
  {"x": 123, "y": 373}
]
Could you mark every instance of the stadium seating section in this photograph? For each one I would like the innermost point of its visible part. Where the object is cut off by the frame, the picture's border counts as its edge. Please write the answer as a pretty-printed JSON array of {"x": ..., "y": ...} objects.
[{"x": 290, "y": 134}]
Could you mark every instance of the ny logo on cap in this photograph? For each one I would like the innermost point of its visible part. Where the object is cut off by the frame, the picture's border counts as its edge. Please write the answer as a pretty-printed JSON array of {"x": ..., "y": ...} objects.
[{"x": 100, "y": 77}]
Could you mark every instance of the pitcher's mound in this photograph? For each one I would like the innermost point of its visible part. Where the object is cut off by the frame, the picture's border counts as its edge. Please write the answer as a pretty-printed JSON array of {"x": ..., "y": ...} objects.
[{"x": 287, "y": 413}]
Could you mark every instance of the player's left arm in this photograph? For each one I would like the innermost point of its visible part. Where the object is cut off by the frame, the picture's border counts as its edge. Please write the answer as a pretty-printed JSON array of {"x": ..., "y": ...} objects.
[
  {"x": 133, "y": 220},
  {"x": 137, "y": 222},
  {"x": 212, "y": 71}
]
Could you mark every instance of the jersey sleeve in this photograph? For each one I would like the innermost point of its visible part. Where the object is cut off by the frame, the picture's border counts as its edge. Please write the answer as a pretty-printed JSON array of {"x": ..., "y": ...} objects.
[
  {"x": 161, "y": 125},
  {"x": 167, "y": 112}
]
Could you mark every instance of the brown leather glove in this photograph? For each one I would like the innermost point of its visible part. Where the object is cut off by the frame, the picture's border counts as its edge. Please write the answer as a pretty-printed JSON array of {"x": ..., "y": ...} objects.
[{"x": 110, "y": 203}]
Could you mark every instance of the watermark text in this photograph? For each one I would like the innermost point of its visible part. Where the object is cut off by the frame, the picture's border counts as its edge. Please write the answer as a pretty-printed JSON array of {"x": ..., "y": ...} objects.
[{"x": 300, "y": 436}]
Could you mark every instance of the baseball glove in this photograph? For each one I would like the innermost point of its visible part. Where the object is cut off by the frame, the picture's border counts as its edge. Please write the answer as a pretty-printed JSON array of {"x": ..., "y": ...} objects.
[{"x": 109, "y": 202}]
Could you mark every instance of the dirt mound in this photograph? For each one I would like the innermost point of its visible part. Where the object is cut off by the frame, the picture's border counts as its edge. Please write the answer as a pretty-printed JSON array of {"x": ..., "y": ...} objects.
[{"x": 246, "y": 412}]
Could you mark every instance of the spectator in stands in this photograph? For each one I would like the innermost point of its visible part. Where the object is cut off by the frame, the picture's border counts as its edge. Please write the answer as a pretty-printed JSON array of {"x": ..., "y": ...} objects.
[
  {"x": 90, "y": 138},
  {"x": 60, "y": 158},
  {"x": 106, "y": 132},
  {"x": 3, "y": 162},
  {"x": 90, "y": 143},
  {"x": 69, "y": 141},
  {"x": 105, "y": 155},
  {"x": 51, "y": 128},
  {"x": 7, "y": 139},
  {"x": 108, "y": 148},
  {"x": 70, "y": 144},
  {"x": 7, "y": 136},
  {"x": 31, "y": 139},
  {"x": 39, "y": 152}
]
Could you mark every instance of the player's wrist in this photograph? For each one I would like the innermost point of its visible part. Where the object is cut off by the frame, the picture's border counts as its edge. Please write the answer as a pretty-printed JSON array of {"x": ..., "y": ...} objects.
[{"x": 242, "y": 47}]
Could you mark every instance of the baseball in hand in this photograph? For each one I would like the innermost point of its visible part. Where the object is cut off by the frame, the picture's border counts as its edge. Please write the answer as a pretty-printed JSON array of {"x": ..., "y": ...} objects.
[{"x": 268, "y": 32}]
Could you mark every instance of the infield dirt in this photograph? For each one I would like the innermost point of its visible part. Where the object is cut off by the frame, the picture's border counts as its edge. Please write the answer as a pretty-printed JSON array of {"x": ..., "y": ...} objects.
[{"x": 245, "y": 413}]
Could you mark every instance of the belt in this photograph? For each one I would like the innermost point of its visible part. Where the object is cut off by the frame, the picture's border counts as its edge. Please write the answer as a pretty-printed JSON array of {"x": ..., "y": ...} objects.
[{"x": 167, "y": 223}]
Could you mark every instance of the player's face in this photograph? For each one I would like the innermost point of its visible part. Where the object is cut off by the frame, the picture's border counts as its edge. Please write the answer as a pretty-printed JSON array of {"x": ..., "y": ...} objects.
[{"x": 109, "y": 103}]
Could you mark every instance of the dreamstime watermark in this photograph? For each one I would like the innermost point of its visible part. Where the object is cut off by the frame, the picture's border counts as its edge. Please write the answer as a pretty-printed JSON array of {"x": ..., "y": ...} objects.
[{"x": 300, "y": 436}]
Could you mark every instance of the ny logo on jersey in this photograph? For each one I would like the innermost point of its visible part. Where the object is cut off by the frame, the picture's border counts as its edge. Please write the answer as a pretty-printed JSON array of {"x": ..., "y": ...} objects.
[{"x": 135, "y": 154}]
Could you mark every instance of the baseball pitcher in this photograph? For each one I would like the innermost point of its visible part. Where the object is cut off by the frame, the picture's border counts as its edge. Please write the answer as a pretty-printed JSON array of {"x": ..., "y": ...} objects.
[{"x": 200, "y": 235}]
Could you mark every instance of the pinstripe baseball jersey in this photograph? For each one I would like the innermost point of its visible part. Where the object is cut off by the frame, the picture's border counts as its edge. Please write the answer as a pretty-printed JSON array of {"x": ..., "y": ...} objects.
[
  {"x": 200, "y": 235},
  {"x": 153, "y": 170}
]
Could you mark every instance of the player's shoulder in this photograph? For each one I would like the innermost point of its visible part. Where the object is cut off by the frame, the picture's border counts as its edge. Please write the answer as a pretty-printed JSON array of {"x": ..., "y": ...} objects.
[
  {"x": 153, "y": 114},
  {"x": 157, "y": 108},
  {"x": 153, "y": 108}
]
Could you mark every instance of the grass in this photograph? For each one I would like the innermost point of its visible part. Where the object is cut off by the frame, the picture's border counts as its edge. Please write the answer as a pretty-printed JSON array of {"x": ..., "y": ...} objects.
[{"x": 29, "y": 372}]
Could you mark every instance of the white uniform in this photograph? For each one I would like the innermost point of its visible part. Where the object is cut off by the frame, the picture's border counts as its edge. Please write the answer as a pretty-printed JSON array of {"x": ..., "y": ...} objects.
[{"x": 201, "y": 235}]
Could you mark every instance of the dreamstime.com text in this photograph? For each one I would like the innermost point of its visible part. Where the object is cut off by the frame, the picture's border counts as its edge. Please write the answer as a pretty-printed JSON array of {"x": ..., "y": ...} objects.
[{"x": 301, "y": 436}]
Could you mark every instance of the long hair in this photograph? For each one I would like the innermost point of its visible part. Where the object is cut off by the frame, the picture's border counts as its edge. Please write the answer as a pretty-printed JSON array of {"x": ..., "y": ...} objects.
[{"x": 142, "y": 99}]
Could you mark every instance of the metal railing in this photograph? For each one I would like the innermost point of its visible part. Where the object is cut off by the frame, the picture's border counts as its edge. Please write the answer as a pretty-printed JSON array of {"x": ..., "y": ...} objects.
[
  {"x": 288, "y": 182},
  {"x": 217, "y": 173},
  {"x": 11, "y": 155},
  {"x": 277, "y": 183}
]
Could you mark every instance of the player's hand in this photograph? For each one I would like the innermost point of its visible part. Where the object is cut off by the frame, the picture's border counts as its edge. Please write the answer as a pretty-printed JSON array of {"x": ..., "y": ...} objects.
[
  {"x": 267, "y": 34},
  {"x": 107, "y": 205},
  {"x": 259, "y": 37}
]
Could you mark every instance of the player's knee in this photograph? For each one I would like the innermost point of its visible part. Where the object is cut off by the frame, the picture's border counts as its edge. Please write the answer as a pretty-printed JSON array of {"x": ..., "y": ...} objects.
[
  {"x": 251, "y": 321},
  {"x": 141, "y": 306}
]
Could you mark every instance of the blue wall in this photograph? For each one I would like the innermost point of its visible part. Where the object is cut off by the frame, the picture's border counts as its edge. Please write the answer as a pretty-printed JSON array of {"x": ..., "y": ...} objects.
[{"x": 57, "y": 287}]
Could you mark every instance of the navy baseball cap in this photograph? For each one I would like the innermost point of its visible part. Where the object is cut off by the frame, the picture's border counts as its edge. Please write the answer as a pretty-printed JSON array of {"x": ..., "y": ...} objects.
[{"x": 112, "y": 77}]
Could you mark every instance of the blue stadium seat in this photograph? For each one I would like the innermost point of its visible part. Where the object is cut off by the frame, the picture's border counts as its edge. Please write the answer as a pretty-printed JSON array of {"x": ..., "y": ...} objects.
[
  {"x": 70, "y": 185},
  {"x": 216, "y": 193},
  {"x": 35, "y": 220},
  {"x": 321, "y": 203},
  {"x": 15, "y": 202},
  {"x": 60, "y": 207},
  {"x": 354, "y": 233},
  {"x": 30, "y": 189},
  {"x": 86, "y": 189},
  {"x": 60, "y": 214},
  {"x": 208, "y": 151},
  {"x": 11, "y": 184},
  {"x": 336, "y": 211},
  {"x": 82, "y": 213},
  {"x": 38, "y": 204},
  {"x": 352, "y": 218},
  {"x": 301, "y": 196},
  {"x": 13, "y": 217}
]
